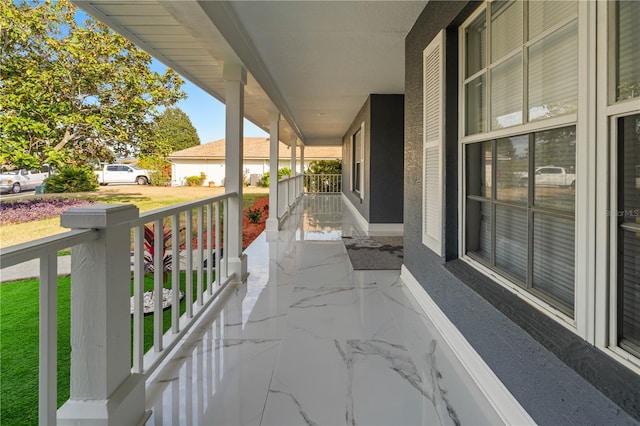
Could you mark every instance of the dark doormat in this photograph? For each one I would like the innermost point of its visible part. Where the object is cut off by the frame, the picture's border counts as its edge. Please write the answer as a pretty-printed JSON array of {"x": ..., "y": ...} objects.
[{"x": 379, "y": 253}]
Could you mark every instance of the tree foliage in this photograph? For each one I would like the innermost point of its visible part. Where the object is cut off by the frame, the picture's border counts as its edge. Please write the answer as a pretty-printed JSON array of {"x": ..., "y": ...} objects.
[
  {"x": 325, "y": 167},
  {"x": 173, "y": 131},
  {"x": 73, "y": 93},
  {"x": 159, "y": 169}
]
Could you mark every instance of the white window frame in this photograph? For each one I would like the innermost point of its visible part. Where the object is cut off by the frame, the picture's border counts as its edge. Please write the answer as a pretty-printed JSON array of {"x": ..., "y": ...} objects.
[
  {"x": 608, "y": 112},
  {"x": 361, "y": 156},
  {"x": 585, "y": 136}
]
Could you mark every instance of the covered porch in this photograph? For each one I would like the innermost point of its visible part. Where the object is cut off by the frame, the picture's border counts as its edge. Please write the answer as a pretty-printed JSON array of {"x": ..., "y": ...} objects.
[
  {"x": 308, "y": 340},
  {"x": 300, "y": 338},
  {"x": 286, "y": 332}
]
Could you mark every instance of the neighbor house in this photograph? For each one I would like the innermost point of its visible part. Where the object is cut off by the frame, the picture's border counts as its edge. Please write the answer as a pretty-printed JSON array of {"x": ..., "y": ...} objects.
[
  {"x": 539, "y": 275},
  {"x": 209, "y": 158}
]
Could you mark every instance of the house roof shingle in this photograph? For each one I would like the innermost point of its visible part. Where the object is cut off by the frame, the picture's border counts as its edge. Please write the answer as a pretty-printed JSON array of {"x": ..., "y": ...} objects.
[{"x": 256, "y": 148}]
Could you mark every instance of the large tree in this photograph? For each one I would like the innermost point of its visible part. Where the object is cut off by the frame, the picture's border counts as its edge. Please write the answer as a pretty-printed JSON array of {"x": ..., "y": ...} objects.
[
  {"x": 172, "y": 132},
  {"x": 70, "y": 92}
]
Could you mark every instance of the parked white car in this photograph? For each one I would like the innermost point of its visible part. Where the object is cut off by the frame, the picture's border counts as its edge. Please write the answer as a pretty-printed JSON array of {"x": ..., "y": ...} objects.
[
  {"x": 122, "y": 173},
  {"x": 555, "y": 176},
  {"x": 552, "y": 176},
  {"x": 19, "y": 180}
]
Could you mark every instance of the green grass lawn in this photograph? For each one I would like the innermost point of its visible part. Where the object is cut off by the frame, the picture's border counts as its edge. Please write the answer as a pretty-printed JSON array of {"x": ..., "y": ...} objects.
[
  {"x": 19, "y": 339},
  {"x": 19, "y": 345},
  {"x": 19, "y": 350}
]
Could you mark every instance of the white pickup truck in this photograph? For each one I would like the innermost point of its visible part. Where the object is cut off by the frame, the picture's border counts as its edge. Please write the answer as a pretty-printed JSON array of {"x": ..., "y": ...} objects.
[
  {"x": 21, "y": 179},
  {"x": 552, "y": 176},
  {"x": 555, "y": 176},
  {"x": 122, "y": 173}
]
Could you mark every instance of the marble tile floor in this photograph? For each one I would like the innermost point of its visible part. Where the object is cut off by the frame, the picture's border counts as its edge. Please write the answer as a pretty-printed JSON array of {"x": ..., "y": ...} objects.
[{"x": 309, "y": 341}]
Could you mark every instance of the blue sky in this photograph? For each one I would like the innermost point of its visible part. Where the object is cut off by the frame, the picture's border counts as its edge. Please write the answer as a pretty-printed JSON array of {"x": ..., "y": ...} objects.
[{"x": 206, "y": 112}]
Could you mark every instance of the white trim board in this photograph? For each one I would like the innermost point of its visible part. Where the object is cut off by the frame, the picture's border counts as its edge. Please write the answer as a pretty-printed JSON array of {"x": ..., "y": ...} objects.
[
  {"x": 498, "y": 396},
  {"x": 379, "y": 229}
]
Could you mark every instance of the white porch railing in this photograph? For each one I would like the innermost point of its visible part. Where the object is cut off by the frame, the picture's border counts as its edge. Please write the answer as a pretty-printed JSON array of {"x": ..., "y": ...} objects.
[
  {"x": 289, "y": 191},
  {"x": 325, "y": 183},
  {"x": 101, "y": 321},
  {"x": 283, "y": 198},
  {"x": 46, "y": 250},
  {"x": 204, "y": 217}
]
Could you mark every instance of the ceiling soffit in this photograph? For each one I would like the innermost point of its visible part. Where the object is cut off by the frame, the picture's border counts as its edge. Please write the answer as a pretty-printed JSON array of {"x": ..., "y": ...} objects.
[{"x": 314, "y": 61}]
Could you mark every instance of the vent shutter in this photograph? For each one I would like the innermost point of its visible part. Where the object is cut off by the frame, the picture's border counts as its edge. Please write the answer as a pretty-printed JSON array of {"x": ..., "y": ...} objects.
[{"x": 433, "y": 84}]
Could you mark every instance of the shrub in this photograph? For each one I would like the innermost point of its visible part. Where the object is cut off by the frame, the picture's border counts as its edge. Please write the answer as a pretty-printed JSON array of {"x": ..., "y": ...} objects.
[
  {"x": 194, "y": 180},
  {"x": 325, "y": 167},
  {"x": 254, "y": 215},
  {"x": 285, "y": 171},
  {"x": 264, "y": 180},
  {"x": 159, "y": 170},
  {"x": 72, "y": 179},
  {"x": 149, "y": 248}
]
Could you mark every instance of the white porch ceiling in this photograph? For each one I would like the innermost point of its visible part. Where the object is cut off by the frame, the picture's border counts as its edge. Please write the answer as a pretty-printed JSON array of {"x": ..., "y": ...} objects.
[{"x": 314, "y": 61}]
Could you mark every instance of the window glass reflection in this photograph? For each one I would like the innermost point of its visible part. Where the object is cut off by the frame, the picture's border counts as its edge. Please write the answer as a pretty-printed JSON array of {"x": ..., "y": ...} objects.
[
  {"x": 555, "y": 169},
  {"x": 512, "y": 165}
]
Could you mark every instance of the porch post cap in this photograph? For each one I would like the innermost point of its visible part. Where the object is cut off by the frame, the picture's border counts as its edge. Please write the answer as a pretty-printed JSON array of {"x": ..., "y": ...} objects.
[
  {"x": 98, "y": 216},
  {"x": 234, "y": 72}
]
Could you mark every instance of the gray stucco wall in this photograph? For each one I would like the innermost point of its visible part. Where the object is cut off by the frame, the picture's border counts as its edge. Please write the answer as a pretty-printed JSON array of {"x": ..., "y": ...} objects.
[
  {"x": 383, "y": 117},
  {"x": 387, "y": 159},
  {"x": 436, "y": 16},
  {"x": 489, "y": 316},
  {"x": 364, "y": 115}
]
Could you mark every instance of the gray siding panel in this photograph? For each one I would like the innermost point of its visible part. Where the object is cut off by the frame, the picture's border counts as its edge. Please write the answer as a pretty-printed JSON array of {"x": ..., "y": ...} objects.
[
  {"x": 387, "y": 158},
  {"x": 383, "y": 117}
]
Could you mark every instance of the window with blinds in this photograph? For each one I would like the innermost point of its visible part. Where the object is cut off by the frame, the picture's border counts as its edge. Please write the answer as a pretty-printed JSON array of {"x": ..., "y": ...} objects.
[
  {"x": 523, "y": 226},
  {"x": 358, "y": 162},
  {"x": 629, "y": 233},
  {"x": 520, "y": 66},
  {"x": 521, "y": 62}
]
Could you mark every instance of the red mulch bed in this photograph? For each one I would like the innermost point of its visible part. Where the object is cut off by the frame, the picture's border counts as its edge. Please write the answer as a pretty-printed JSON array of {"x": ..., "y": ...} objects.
[{"x": 250, "y": 231}]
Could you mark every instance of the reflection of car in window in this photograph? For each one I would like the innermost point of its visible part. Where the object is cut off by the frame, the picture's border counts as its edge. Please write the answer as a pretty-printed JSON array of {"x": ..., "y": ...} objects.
[{"x": 552, "y": 176}]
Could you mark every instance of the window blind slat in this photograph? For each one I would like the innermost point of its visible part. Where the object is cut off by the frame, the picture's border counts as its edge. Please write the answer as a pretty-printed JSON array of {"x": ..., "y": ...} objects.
[
  {"x": 628, "y": 43},
  {"x": 629, "y": 241},
  {"x": 631, "y": 287},
  {"x": 506, "y": 28},
  {"x": 545, "y": 14},
  {"x": 553, "y": 74},
  {"x": 511, "y": 240},
  {"x": 554, "y": 257},
  {"x": 506, "y": 93}
]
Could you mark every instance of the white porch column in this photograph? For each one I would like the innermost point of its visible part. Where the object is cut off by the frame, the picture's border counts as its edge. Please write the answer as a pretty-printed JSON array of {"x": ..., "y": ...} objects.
[
  {"x": 293, "y": 193},
  {"x": 301, "y": 189},
  {"x": 103, "y": 389},
  {"x": 235, "y": 79},
  {"x": 274, "y": 141}
]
